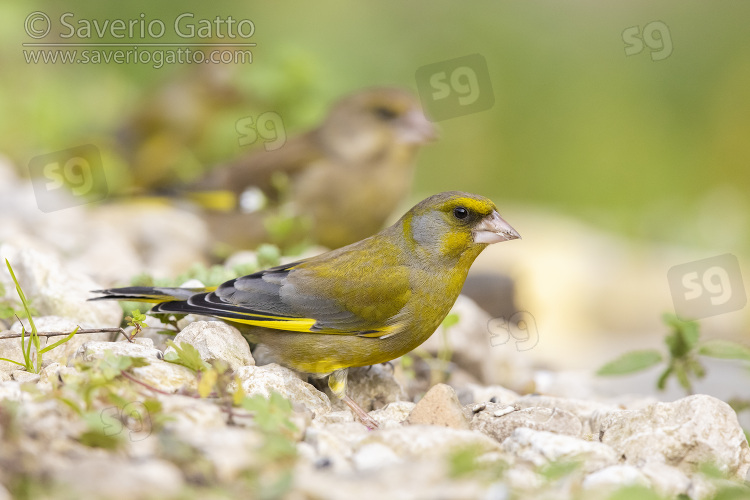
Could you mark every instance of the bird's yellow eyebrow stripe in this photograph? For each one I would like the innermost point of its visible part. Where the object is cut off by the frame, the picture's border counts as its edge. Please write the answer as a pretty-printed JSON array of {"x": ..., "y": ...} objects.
[{"x": 472, "y": 204}]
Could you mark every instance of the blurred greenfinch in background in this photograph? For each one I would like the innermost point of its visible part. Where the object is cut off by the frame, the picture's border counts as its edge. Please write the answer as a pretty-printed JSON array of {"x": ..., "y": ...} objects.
[
  {"x": 342, "y": 179},
  {"x": 363, "y": 304},
  {"x": 161, "y": 136}
]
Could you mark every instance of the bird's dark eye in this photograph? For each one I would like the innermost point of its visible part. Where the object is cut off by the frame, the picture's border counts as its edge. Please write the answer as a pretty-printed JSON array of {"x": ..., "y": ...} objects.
[
  {"x": 460, "y": 213},
  {"x": 385, "y": 113}
]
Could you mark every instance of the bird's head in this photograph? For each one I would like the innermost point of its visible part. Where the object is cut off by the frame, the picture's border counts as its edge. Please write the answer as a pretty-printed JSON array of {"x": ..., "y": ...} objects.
[
  {"x": 364, "y": 123},
  {"x": 455, "y": 224}
]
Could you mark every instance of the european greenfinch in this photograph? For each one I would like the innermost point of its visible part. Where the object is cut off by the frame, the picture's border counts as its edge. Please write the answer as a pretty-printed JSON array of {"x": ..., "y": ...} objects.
[
  {"x": 362, "y": 155},
  {"x": 167, "y": 133},
  {"x": 363, "y": 304}
]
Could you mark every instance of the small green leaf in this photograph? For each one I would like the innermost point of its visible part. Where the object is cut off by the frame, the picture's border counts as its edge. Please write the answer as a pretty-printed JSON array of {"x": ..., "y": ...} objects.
[
  {"x": 450, "y": 320},
  {"x": 631, "y": 362},
  {"x": 711, "y": 470},
  {"x": 11, "y": 361},
  {"x": 682, "y": 377},
  {"x": 557, "y": 470},
  {"x": 59, "y": 342},
  {"x": 661, "y": 384},
  {"x": 187, "y": 356},
  {"x": 96, "y": 439},
  {"x": 104, "y": 431},
  {"x": 463, "y": 461},
  {"x": 696, "y": 367},
  {"x": 6, "y": 311},
  {"x": 684, "y": 335},
  {"x": 724, "y": 349}
]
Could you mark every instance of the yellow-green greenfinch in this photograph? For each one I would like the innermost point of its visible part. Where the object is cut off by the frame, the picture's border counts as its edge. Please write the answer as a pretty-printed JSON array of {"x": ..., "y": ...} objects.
[
  {"x": 362, "y": 155},
  {"x": 165, "y": 134},
  {"x": 366, "y": 303}
]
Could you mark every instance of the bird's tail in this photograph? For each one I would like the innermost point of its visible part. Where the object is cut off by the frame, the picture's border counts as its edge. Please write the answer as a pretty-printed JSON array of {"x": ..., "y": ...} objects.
[
  {"x": 156, "y": 295},
  {"x": 212, "y": 200}
]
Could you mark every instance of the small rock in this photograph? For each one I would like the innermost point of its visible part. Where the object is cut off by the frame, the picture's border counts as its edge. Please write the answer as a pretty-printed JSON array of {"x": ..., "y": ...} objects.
[
  {"x": 502, "y": 412},
  {"x": 274, "y": 378},
  {"x": 666, "y": 480},
  {"x": 231, "y": 450},
  {"x": 23, "y": 376},
  {"x": 216, "y": 340},
  {"x": 478, "y": 408},
  {"x": 54, "y": 291},
  {"x": 499, "y": 421},
  {"x": 333, "y": 417},
  {"x": 422, "y": 441},
  {"x": 187, "y": 414},
  {"x": 706, "y": 488},
  {"x": 474, "y": 393},
  {"x": 10, "y": 349},
  {"x": 335, "y": 443},
  {"x": 168, "y": 377},
  {"x": 685, "y": 433},
  {"x": 542, "y": 448},
  {"x": 140, "y": 348},
  {"x": 374, "y": 456},
  {"x": 426, "y": 479},
  {"x": 393, "y": 415},
  {"x": 614, "y": 477},
  {"x": 53, "y": 374},
  {"x": 116, "y": 478},
  {"x": 440, "y": 407},
  {"x": 583, "y": 409},
  {"x": 11, "y": 390},
  {"x": 523, "y": 479}
]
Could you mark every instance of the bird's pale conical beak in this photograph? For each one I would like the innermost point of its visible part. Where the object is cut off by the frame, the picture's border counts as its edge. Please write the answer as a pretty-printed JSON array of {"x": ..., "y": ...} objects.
[
  {"x": 493, "y": 229},
  {"x": 415, "y": 128}
]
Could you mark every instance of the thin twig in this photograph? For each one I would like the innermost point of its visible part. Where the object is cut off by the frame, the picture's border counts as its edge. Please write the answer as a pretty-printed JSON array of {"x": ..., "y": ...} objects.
[
  {"x": 231, "y": 411},
  {"x": 79, "y": 332},
  {"x": 144, "y": 384}
]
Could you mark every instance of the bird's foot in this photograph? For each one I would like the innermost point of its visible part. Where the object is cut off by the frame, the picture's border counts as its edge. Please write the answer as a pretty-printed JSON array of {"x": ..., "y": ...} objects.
[{"x": 361, "y": 414}]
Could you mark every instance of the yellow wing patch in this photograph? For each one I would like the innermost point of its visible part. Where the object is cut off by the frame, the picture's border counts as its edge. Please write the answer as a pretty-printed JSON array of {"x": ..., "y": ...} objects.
[
  {"x": 291, "y": 325},
  {"x": 305, "y": 325}
]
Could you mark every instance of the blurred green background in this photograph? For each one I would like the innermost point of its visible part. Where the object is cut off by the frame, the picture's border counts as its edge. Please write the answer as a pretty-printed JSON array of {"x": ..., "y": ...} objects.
[{"x": 650, "y": 148}]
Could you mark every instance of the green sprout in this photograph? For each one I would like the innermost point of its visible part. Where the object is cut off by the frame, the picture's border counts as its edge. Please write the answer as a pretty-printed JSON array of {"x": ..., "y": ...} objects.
[
  {"x": 32, "y": 363},
  {"x": 186, "y": 355},
  {"x": 683, "y": 349},
  {"x": 136, "y": 320}
]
